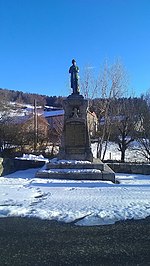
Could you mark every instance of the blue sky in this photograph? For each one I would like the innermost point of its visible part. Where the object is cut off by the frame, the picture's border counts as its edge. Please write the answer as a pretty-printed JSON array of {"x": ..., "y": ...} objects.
[{"x": 39, "y": 38}]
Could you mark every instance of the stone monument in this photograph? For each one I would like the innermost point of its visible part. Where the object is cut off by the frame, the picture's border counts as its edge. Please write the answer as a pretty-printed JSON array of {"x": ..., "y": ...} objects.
[
  {"x": 75, "y": 139},
  {"x": 75, "y": 159}
]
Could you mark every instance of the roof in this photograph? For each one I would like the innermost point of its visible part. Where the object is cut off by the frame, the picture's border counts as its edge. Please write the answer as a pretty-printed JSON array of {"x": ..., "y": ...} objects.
[
  {"x": 54, "y": 113},
  {"x": 18, "y": 119},
  {"x": 23, "y": 119}
]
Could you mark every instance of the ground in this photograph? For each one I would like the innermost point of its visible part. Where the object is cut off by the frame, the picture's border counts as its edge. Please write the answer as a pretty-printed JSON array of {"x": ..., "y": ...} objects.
[{"x": 35, "y": 242}]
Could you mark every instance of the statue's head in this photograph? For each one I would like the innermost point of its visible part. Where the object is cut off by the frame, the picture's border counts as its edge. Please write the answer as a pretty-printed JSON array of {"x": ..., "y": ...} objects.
[{"x": 74, "y": 62}]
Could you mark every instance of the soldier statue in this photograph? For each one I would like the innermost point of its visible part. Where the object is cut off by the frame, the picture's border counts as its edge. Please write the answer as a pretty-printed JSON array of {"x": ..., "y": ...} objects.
[{"x": 74, "y": 70}]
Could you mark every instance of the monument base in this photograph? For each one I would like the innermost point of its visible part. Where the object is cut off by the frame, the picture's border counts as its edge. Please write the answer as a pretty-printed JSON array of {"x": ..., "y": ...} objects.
[
  {"x": 77, "y": 170},
  {"x": 77, "y": 153}
]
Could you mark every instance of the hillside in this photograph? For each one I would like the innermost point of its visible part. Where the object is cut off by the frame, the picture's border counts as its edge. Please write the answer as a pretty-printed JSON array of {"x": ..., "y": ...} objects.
[{"x": 28, "y": 98}]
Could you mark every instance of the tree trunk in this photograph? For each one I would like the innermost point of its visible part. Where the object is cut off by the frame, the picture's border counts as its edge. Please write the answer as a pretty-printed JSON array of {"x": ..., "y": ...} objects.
[{"x": 123, "y": 156}]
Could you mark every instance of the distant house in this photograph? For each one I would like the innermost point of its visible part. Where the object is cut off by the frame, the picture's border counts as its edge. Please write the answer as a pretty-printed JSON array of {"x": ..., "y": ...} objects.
[
  {"x": 28, "y": 122},
  {"x": 56, "y": 119},
  {"x": 26, "y": 127},
  {"x": 113, "y": 119},
  {"x": 138, "y": 122},
  {"x": 92, "y": 123}
]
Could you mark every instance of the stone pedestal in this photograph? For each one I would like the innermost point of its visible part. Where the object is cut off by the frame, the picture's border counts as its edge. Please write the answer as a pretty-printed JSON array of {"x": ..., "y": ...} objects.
[{"x": 75, "y": 140}]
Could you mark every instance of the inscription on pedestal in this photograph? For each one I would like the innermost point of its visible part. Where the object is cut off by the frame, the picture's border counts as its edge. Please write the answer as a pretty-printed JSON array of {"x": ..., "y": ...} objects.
[{"x": 75, "y": 135}]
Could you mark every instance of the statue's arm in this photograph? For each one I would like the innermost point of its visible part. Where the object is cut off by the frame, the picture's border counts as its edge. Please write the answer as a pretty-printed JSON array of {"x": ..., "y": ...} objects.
[{"x": 77, "y": 69}]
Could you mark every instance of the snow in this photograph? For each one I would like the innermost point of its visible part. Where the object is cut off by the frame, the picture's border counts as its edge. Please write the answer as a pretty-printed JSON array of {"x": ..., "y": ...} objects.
[
  {"x": 32, "y": 157},
  {"x": 112, "y": 153},
  {"x": 56, "y": 161},
  {"x": 72, "y": 171},
  {"x": 84, "y": 202}
]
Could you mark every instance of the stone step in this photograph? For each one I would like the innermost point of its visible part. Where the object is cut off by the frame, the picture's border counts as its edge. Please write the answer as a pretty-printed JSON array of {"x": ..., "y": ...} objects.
[
  {"x": 91, "y": 175},
  {"x": 99, "y": 166},
  {"x": 76, "y": 170}
]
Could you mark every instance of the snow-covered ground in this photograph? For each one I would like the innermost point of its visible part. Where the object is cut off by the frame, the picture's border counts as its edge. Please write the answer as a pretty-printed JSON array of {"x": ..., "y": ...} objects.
[
  {"x": 132, "y": 153},
  {"x": 85, "y": 202}
]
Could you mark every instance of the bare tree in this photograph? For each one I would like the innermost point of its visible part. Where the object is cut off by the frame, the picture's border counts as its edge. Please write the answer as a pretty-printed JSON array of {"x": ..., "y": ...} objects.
[
  {"x": 4, "y": 113},
  {"x": 112, "y": 84},
  {"x": 143, "y": 134},
  {"x": 88, "y": 83},
  {"x": 128, "y": 122},
  {"x": 125, "y": 133},
  {"x": 108, "y": 85}
]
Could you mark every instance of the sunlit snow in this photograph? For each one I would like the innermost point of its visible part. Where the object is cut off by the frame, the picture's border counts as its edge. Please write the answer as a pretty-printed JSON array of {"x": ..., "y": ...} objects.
[{"x": 83, "y": 202}]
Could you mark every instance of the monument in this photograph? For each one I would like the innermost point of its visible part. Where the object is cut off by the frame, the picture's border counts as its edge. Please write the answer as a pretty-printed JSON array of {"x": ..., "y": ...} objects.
[
  {"x": 75, "y": 140},
  {"x": 75, "y": 159}
]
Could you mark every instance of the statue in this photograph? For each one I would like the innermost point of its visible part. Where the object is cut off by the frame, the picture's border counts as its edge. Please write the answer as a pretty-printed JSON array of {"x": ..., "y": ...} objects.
[{"x": 74, "y": 70}]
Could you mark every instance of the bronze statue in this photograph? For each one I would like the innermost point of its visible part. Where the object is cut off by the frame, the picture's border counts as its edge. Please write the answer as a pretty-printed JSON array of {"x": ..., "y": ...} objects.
[{"x": 74, "y": 70}]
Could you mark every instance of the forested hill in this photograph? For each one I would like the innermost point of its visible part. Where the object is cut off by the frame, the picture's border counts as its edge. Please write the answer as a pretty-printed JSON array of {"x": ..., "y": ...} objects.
[{"x": 28, "y": 98}]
